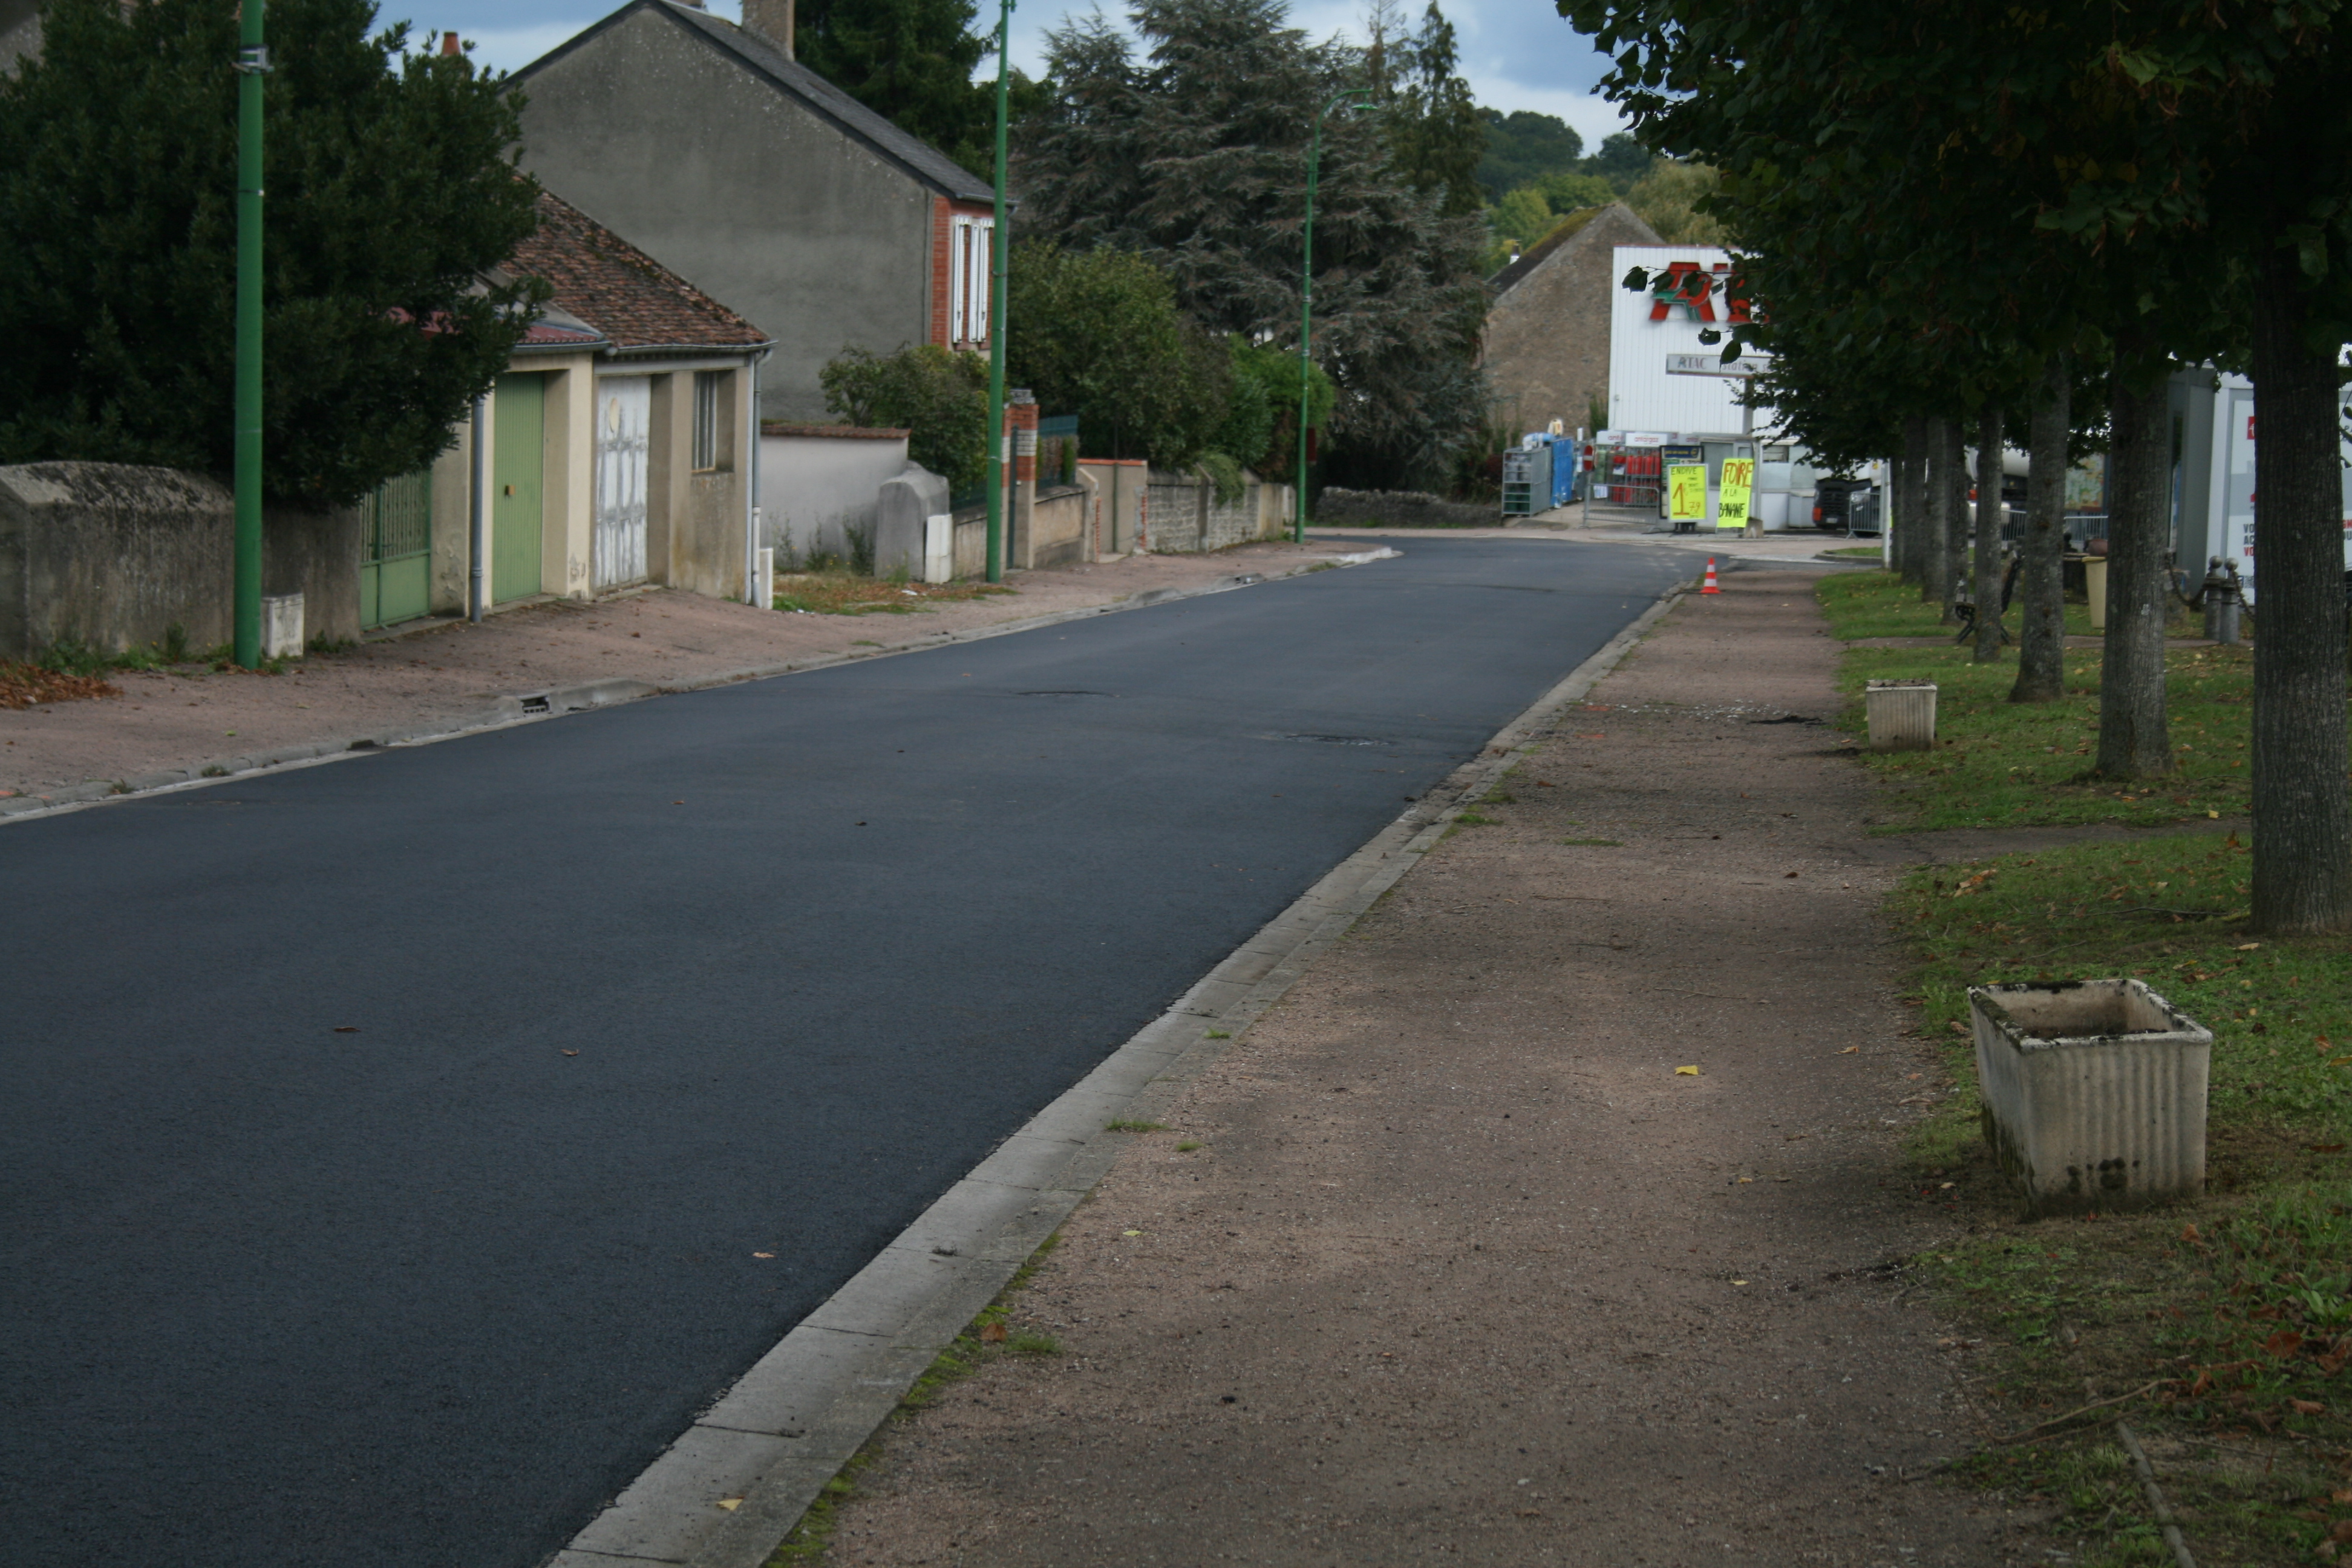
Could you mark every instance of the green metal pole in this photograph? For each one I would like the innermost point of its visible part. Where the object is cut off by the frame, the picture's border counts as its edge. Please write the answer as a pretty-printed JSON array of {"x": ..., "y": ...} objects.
[
  {"x": 252, "y": 63},
  {"x": 996, "y": 252},
  {"x": 1306, "y": 307}
]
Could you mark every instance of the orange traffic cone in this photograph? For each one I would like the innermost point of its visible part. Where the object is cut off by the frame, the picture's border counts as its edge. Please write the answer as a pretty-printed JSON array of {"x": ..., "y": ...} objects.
[{"x": 1709, "y": 587}]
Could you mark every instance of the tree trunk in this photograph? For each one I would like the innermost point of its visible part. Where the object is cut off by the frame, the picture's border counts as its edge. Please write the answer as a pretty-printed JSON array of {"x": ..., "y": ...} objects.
[
  {"x": 1992, "y": 447},
  {"x": 1912, "y": 533},
  {"x": 1947, "y": 485},
  {"x": 2041, "y": 572},
  {"x": 2132, "y": 739},
  {"x": 2303, "y": 839}
]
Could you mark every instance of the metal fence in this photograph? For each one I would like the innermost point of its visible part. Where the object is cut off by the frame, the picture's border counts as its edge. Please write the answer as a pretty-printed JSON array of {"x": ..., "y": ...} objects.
[{"x": 395, "y": 572}]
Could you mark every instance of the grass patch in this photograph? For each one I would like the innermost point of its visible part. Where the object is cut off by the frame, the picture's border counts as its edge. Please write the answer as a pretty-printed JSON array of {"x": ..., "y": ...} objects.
[
  {"x": 1219, "y": 1034},
  {"x": 1123, "y": 1125},
  {"x": 1472, "y": 819},
  {"x": 1881, "y": 605},
  {"x": 842, "y": 593},
  {"x": 983, "y": 1339},
  {"x": 2230, "y": 1319},
  {"x": 1186, "y": 1147},
  {"x": 1596, "y": 842},
  {"x": 1999, "y": 763}
]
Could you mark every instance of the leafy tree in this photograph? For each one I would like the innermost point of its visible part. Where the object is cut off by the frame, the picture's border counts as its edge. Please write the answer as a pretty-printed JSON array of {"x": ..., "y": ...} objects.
[
  {"x": 1436, "y": 135},
  {"x": 391, "y": 192},
  {"x": 1522, "y": 147},
  {"x": 1622, "y": 160},
  {"x": 940, "y": 397},
  {"x": 1097, "y": 334},
  {"x": 1568, "y": 193},
  {"x": 1667, "y": 199},
  {"x": 913, "y": 62},
  {"x": 1195, "y": 158},
  {"x": 1517, "y": 222}
]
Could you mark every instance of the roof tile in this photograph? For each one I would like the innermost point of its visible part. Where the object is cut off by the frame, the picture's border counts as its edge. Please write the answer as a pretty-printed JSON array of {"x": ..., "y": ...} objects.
[{"x": 618, "y": 290}]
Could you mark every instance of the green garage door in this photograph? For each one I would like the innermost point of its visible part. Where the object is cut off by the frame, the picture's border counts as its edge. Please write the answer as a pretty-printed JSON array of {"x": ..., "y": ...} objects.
[
  {"x": 395, "y": 574},
  {"x": 518, "y": 459}
]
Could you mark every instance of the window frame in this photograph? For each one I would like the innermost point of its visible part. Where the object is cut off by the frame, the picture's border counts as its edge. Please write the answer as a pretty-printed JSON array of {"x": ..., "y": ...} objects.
[{"x": 704, "y": 451}]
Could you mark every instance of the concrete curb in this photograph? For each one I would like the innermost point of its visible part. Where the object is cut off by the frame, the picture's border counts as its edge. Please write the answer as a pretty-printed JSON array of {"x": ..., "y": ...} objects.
[
  {"x": 729, "y": 1490},
  {"x": 529, "y": 708}
]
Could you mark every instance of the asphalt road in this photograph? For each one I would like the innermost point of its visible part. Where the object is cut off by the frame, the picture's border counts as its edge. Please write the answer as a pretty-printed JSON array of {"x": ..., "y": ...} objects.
[{"x": 384, "y": 1147}]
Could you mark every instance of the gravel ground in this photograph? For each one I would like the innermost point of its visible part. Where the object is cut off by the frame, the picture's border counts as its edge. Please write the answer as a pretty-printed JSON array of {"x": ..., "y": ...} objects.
[
  {"x": 1463, "y": 1265},
  {"x": 190, "y": 717}
]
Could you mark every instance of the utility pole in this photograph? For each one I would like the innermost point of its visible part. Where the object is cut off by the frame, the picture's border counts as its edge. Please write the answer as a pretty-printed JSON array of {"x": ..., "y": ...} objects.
[
  {"x": 252, "y": 64},
  {"x": 1354, "y": 97},
  {"x": 996, "y": 253}
]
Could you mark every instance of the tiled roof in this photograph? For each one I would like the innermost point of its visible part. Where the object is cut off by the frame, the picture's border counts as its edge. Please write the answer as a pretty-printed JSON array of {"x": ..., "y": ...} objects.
[
  {"x": 611, "y": 286},
  {"x": 1569, "y": 228},
  {"x": 918, "y": 157}
]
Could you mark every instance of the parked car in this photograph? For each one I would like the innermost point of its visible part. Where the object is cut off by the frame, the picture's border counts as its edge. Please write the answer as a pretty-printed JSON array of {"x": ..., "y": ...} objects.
[{"x": 1831, "y": 500}]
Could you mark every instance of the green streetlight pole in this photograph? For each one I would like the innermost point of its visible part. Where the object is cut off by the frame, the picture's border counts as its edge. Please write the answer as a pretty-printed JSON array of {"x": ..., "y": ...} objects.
[
  {"x": 1355, "y": 98},
  {"x": 997, "y": 313},
  {"x": 252, "y": 64}
]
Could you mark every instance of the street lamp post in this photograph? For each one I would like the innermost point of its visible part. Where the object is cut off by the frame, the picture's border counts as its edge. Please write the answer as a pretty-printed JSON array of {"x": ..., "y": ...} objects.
[
  {"x": 996, "y": 311},
  {"x": 252, "y": 64},
  {"x": 1354, "y": 97}
]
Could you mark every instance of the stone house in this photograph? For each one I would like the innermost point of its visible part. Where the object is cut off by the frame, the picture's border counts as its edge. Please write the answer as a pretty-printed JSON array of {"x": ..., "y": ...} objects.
[
  {"x": 1546, "y": 349},
  {"x": 706, "y": 144}
]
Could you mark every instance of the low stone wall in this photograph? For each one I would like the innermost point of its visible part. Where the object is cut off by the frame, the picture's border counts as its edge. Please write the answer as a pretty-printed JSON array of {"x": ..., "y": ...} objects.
[
  {"x": 1400, "y": 509},
  {"x": 1057, "y": 526},
  {"x": 113, "y": 554},
  {"x": 1181, "y": 513}
]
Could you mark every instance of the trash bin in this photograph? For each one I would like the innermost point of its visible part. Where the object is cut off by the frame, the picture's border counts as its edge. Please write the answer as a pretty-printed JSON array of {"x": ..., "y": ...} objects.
[
  {"x": 2094, "y": 1093},
  {"x": 2094, "y": 588},
  {"x": 1902, "y": 715}
]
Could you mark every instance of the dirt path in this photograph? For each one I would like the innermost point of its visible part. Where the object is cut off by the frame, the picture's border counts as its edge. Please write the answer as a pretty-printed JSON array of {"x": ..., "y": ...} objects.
[
  {"x": 191, "y": 718},
  {"x": 1462, "y": 1265}
]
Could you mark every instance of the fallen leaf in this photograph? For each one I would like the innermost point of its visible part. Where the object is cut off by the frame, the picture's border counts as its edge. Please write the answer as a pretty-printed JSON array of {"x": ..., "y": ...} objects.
[
  {"x": 1793, "y": 873},
  {"x": 2324, "y": 1148},
  {"x": 347, "y": 1029},
  {"x": 1847, "y": 1052},
  {"x": 1739, "y": 1281},
  {"x": 2285, "y": 1343},
  {"x": 730, "y": 1503},
  {"x": 2188, "y": 1232},
  {"x": 991, "y": 1333},
  {"x": 763, "y": 1255},
  {"x": 2248, "y": 946},
  {"x": 571, "y": 1053},
  {"x": 1746, "y": 1181},
  {"x": 1956, "y": 1026},
  {"x": 1123, "y": 1232},
  {"x": 1691, "y": 1072},
  {"x": 2306, "y": 1407}
]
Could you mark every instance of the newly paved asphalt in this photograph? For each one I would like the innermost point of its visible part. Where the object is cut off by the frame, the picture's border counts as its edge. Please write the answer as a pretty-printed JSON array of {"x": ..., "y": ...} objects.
[{"x": 429, "y": 1293}]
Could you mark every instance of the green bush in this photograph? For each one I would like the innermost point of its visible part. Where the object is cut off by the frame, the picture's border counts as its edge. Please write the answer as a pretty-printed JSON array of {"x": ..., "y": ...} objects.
[{"x": 940, "y": 397}]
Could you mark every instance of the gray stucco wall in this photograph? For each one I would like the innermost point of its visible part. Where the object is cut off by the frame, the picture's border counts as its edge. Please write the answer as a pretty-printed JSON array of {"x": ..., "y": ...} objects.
[
  {"x": 111, "y": 554},
  {"x": 741, "y": 190}
]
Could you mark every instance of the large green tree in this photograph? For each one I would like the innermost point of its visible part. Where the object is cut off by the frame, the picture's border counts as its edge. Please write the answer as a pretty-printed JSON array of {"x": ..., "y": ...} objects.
[
  {"x": 1524, "y": 146},
  {"x": 1195, "y": 157},
  {"x": 1435, "y": 132},
  {"x": 913, "y": 62},
  {"x": 391, "y": 193}
]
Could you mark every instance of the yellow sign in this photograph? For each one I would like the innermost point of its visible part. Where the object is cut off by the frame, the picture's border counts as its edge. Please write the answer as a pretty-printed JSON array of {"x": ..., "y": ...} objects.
[
  {"x": 1738, "y": 485},
  {"x": 1686, "y": 492}
]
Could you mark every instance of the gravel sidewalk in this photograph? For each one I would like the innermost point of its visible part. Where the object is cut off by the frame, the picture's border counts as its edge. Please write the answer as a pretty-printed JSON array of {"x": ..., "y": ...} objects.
[
  {"x": 1449, "y": 1257},
  {"x": 452, "y": 674}
]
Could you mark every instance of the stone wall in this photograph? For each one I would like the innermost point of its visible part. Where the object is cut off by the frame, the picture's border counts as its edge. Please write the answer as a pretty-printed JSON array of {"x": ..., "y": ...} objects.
[
  {"x": 1181, "y": 513},
  {"x": 1339, "y": 508},
  {"x": 113, "y": 554}
]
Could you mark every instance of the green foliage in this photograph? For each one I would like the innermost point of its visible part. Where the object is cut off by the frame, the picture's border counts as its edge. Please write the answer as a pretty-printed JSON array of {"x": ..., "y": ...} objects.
[
  {"x": 1570, "y": 191},
  {"x": 1097, "y": 334},
  {"x": 913, "y": 62},
  {"x": 1265, "y": 377},
  {"x": 1522, "y": 147},
  {"x": 1621, "y": 161},
  {"x": 939, "y": 397},
  {"x": 1437, "y": 135},
  {"x": 1667, "y": 199},
  {"x": 1195, "y": 157},
  {"x": 391, "y": 192}
]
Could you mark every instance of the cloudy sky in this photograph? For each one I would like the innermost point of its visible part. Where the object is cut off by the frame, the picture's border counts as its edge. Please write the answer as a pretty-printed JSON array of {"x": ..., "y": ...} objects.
[{"x": 1517, "y": 54}]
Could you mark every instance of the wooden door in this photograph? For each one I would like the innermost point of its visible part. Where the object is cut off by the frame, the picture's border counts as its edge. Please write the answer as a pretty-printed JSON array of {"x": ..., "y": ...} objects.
[
  {"x": 624, "y": 406},
  {"x": 518, "y": 466}
]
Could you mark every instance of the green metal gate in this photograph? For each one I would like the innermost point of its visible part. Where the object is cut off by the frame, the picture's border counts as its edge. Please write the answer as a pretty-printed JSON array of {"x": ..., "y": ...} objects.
[{"x": 395, "y": 576}]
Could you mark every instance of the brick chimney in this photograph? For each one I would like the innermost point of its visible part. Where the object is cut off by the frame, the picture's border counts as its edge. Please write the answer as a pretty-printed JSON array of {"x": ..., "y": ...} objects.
[
  {"x": 449, "y": 44},
  {"x": 772, "y": 20}
]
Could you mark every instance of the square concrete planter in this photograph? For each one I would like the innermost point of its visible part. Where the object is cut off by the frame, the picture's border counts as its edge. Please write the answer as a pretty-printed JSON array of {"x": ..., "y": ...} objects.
[
  {"x": 2094, "y": 1093},
  {"x": 1902, "y": 715}
]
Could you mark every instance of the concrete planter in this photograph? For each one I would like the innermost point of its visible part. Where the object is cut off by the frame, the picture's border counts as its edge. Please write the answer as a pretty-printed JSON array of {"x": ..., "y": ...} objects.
[
  {"x": 2094, "y": 1093},
  {"x": 1902, "y": 715}
]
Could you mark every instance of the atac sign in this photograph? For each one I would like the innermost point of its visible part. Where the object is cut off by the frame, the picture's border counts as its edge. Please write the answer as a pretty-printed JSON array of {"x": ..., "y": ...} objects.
[{"x": 1693, "y": 288}]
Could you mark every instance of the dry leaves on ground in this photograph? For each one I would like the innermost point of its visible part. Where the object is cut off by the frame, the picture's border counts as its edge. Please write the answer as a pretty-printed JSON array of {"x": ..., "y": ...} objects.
[{"x": 28, "y": 685}]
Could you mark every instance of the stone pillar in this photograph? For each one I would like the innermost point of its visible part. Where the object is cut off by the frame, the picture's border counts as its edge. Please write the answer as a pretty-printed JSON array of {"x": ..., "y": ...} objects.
[{"x": 1020, "y": 421}]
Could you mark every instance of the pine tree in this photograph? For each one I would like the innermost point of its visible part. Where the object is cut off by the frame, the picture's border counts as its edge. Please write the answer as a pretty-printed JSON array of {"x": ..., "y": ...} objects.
[
  {"x": 391, "y": 193},
  {"x": 1195, "y": 157},
  {"x": 1438, "y": 135},
  {"x": 911, "y": 61}
]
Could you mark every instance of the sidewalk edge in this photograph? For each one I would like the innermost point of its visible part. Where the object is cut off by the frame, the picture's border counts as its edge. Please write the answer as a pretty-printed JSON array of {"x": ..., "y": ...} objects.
[
  {"x": 733, "y": 1486},
  {"x": 555, "y": 702}
]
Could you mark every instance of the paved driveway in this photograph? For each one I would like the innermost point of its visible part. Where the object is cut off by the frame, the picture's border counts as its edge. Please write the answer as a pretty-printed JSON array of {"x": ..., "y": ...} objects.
[{"x": 388, "y": 1149}]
